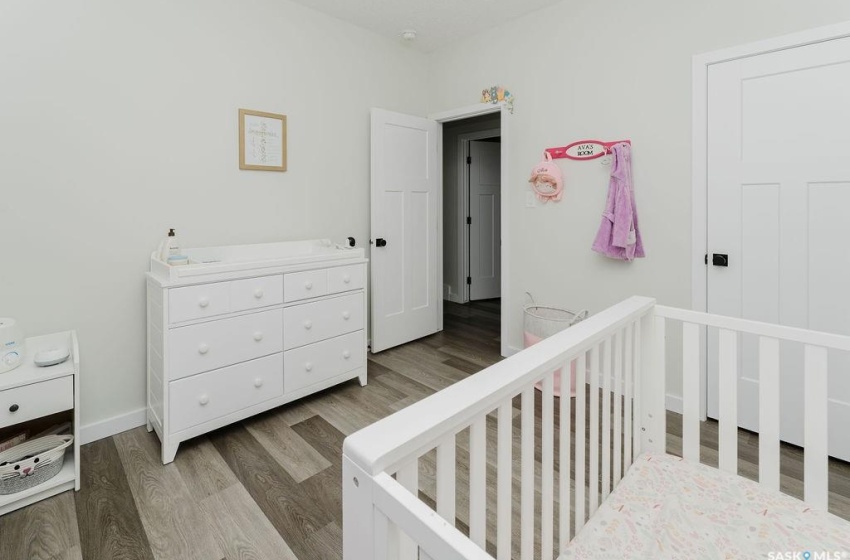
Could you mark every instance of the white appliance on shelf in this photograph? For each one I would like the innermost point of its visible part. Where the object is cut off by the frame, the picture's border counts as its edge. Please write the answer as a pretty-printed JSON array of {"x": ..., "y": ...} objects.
[
  {"x": 243, "y": 329},
  {"x": 11, "y": 345}
]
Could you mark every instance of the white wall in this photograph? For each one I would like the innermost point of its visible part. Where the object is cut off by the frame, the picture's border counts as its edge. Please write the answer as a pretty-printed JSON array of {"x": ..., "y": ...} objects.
[
  {"x": 606, "y": 70},
  {"x": 118, "y": 120},
  {"x": 453, "y": 219}
]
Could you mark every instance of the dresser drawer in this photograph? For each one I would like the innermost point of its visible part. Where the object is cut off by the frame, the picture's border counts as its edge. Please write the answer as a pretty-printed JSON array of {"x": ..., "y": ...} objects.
[
  {"x": 312, "y": 322},
  {"x": 197, "y": 302},
  {"x": 216, "y": 344},
  {"x": 36, "y": 400},
  {"x": 304, "y": 285},
  {"x": 345, "y": 278},
  {"x": 315, "y": 363},
  {"x": 208, "y": 396},
  {"x": 254, "y": 293}
]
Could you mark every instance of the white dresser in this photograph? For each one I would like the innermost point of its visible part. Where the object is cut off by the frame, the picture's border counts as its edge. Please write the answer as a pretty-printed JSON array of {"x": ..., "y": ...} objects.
[{"x": 243, "y": 329}]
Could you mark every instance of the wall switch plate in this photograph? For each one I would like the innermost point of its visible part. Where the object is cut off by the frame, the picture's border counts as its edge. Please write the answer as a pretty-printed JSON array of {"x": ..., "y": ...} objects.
[{"x": 530, "y": 200}]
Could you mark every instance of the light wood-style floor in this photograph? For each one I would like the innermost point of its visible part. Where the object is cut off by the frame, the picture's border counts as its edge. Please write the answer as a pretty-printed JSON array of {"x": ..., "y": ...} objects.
[{"x": 269, "y": 487}]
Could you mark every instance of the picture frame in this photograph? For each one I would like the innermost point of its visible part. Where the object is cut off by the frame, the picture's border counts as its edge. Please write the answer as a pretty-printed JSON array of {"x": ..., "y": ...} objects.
[{"x": 262, "y": 141}]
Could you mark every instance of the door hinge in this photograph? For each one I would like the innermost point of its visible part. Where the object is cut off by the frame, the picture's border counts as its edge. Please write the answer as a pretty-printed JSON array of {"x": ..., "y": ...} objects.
[
  {"x": 469, "y": 280},
  {"x": 469, "y": 220},
  {"x": 468, "y": 160}
]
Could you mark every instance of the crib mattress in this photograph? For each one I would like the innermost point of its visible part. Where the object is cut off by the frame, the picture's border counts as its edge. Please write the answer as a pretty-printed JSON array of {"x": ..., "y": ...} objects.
[{"x": 666, "y": 507}]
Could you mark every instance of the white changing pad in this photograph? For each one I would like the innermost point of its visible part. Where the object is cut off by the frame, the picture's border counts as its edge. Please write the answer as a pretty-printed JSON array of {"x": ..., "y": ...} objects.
[{"x": 669, "y": 508}]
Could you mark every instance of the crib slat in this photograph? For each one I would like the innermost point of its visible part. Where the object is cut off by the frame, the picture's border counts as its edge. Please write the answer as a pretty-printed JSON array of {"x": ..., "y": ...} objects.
[
  {"x": 408, "y": 477},
  {"x": 593, "y": 475},
  {"x": 581, "y": 424},
  {"x": 618, "y": 406},
  {"x": 627, "y": 405},
  {"x": 547, "y": 491},
  {"x": 386, "y": 537},
  {"x": 503, "y": 482},
  {"x": 565, "y": 433},
  {"x": 690, "y": 392},
  {"x": 606, "y": 418},
  {"x": 769, "y": 412},
  {"x": 527, "y": 476},
  {"x": 816, "y": 406},
  {"x": 636, "y": 412},
  {"x": 478, "y": 482},
  {"x": 728, "y": 403},
  {"x": 446, "y": 494}
]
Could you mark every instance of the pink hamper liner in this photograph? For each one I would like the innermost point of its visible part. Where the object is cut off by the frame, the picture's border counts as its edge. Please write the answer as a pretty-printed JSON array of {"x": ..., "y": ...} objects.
[{"x": 542, "y": 322}]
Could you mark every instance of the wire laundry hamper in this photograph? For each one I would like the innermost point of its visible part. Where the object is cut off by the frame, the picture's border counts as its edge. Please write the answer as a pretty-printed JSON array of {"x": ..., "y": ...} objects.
[{"x": 542, "y": 321}]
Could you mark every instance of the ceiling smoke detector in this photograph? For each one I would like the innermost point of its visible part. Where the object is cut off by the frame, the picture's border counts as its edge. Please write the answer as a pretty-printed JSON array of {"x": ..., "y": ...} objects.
[{"x": 408, "y": 35}]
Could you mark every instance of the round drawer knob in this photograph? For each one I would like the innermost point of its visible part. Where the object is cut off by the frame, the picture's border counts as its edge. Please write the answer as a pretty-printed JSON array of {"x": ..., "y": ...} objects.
[
  {"x": 203, "y": 302},
  {"x": 308, "y": 285},
  {"x": 308, "y": 366},
  {"x": 203, "y": 348},
  {"x": 346, "y": 315},
  {"x": 258, "y": 336},
  {"x": 204, "y": 400},
  {"x": 258, "y": 382},
  {"x": 346, "y": 279},
  {"x": 308, "y": 324},
  {"x": 346, "y": 354},
  {"x": 14, "y": 408},
  {"x": 258, "y": 293}
]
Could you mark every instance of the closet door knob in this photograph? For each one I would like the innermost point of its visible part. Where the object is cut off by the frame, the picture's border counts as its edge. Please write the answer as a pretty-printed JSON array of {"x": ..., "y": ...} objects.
[
  {"x": 14, "y": 408},
  {"x": 204, "y": 400},
  {"x": 308, "y": 324},
  {"x": 308, "y": 366},
  {"x": 203, "y": 348},
  {"x": 308, "y": 285},
  {"x": 258, "y": 336},
  {"x": 346, "y": 279},
  {"x": 203, "y": 301},
  {"x": 346, "y": 315},
  {"x": 258, "y": 382},
  {"x": 258, "y": 293},
  {"x": 346, "y": 354}
]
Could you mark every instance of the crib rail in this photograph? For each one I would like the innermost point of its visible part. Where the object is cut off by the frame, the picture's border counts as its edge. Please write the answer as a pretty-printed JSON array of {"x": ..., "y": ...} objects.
[
  {"x": 383, "y": 514},
  {"x": 489, "y": 467}
]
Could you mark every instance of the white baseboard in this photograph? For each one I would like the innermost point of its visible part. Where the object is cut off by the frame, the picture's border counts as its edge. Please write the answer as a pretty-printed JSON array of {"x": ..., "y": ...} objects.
[
  {"x": 111, "y": 426},
  {"x": 674, "y": 403}
]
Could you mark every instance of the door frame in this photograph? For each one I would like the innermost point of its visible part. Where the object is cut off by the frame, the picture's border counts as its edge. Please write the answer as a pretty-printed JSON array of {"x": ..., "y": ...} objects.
[
  {"x": 504, "y": 131},
  {"x": 464, "y": 252},
  {"x": 699, "y": 158}
]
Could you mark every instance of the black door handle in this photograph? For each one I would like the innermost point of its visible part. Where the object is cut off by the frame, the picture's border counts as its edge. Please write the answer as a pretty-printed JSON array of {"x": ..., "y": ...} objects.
[
  {"x": 14, "y": 408},
  {"x": 380, "y": 242},
  {"x": 719, "y": 259}
]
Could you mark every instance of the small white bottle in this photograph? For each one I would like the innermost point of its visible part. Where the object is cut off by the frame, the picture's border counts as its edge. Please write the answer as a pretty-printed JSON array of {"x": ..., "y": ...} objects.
[{"x": 170, "y": 246}]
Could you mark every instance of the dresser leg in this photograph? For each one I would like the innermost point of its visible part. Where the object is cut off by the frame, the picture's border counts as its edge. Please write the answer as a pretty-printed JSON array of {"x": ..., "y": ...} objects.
[
  {"x": 362, "y": 378},
  {"x": 149, "y": 426},
  {"x": 168, "y": 452}
]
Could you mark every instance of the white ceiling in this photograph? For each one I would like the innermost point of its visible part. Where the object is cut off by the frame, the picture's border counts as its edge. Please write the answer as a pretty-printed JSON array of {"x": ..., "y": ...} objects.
[{"x": 437, "y": 22}]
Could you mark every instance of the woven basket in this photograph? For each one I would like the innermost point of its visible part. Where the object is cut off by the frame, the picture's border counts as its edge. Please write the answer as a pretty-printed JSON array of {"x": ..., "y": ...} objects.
[{"x": 41, "y": 459}]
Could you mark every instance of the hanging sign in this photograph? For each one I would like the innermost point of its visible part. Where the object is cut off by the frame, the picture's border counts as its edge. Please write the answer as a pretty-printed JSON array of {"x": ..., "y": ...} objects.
[{"x": 583, "y": 149}]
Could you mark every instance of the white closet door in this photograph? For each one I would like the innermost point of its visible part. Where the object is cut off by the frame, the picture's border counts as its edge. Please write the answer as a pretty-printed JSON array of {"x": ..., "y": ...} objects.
[
  {"x": 406, "y": 279},
  {"x": 779, "y": 208},
  {"x": 485, "y": 235}
]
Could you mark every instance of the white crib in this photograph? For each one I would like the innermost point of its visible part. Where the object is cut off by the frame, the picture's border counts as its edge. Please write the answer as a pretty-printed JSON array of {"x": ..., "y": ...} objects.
[{"x": 620, "y": 351}]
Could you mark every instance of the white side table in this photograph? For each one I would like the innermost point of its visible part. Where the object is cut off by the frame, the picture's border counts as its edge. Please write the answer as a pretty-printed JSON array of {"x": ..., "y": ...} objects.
[{"x": 30, "y": 392}]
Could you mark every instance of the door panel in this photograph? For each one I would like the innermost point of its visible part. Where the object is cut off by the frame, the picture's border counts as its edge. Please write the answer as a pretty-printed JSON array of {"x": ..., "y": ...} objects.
[
  {"x": 405, "y": 196},
  {"x": 778, "y": 193},
  {"x": 485, "y": 235}
]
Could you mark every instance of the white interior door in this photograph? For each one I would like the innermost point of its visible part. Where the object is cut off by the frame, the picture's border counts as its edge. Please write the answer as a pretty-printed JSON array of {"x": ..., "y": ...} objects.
[
  {"x": 485, "y": 229},
  {"x": 778, "y": 200},
  {"x": 406, "y": 279}
]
